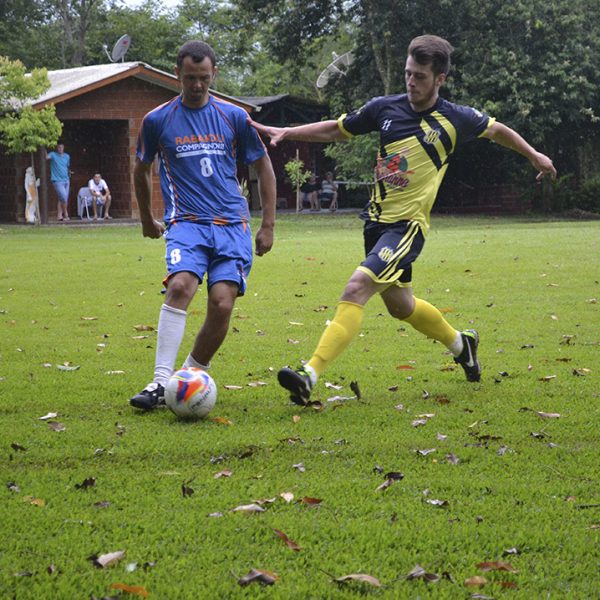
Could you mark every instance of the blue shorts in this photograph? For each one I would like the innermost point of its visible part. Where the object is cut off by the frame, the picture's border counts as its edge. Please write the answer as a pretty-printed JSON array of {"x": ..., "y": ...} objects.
[
  {"x": 391, "y": 249},
  {"x": 224, "y": 252},
  {"x": 62, "y": 190}
]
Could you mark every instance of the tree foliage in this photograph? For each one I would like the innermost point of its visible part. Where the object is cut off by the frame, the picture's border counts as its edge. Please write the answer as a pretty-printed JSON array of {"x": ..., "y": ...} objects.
[
  {"x": 529, "y": 63},
  {"x": 23, "y": 128}
]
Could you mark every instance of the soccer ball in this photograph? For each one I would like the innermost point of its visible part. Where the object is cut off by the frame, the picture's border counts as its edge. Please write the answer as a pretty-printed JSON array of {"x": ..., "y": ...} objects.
[{"x": 191, "y": 393}]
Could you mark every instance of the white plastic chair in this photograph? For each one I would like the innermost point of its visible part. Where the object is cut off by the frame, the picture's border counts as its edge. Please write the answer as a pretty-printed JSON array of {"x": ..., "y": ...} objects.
[{"x": 84, "y": 201}]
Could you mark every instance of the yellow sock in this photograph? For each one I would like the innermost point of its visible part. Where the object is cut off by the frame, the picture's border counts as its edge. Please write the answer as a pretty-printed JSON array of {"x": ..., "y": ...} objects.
[
  {"x": 427, "y": 319},
  {"x": 338, "y": 335}
]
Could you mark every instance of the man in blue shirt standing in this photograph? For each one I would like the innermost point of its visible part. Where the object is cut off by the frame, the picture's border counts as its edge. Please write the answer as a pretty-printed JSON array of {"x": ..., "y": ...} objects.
[
  {"x": 199, "y": 139},
  {"x": 60, "y": 165}
]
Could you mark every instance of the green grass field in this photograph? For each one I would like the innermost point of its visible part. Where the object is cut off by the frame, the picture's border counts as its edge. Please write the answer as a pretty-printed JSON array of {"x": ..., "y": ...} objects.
[{"x": 516, "y": 488}]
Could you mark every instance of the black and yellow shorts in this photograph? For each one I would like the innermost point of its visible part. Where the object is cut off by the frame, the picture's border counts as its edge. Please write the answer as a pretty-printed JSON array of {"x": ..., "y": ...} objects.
[{"x": 390, "y": 250}]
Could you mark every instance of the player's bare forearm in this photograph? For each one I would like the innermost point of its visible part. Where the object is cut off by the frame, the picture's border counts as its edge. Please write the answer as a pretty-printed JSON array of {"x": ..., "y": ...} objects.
[
  {"x": 322, "y": 131},
  {"x": 142, "y": 181},
  {"x": 509, "y": 138},
  {"x": 268, "y": 193}
]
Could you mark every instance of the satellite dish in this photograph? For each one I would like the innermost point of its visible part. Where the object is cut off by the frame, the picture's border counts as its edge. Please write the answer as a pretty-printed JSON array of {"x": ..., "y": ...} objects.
[
  {"x": 119, "y": 49},
  {"x": 338, "y": 66}
]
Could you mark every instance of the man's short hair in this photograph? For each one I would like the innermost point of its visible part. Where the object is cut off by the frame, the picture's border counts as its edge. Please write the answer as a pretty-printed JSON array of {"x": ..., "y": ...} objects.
[
  {"x": 198, "y": 51},
  {"x": 432, "y": 50}
]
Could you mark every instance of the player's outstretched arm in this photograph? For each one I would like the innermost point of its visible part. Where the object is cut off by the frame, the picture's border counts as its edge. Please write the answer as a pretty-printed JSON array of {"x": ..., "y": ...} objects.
[
  {"x": 142, "y": 181},
  {"x": 268, "y": 194},
  {"x": 321, "y": 131},
  {"x": 509, "y": 138}
]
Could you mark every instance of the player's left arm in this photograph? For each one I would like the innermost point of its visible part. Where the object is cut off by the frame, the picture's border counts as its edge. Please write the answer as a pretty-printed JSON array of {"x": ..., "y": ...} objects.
[
  {"x": 268, "y": 192},
  {"x": 509, "y": 138}
]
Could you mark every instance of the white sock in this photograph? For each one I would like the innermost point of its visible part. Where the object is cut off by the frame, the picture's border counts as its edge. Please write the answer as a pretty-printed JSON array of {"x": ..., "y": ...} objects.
[
  {"x": 456, "y": 347},
  {"x": 312, "y": 374},
  {"x": 171, "y": 327},
  {"x": 190, "y": 361}
]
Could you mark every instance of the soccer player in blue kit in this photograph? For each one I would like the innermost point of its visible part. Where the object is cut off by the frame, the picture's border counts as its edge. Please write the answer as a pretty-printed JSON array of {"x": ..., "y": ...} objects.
[
  {"x": 418, "y": 132},
  {"x": 199, "y": 139}
]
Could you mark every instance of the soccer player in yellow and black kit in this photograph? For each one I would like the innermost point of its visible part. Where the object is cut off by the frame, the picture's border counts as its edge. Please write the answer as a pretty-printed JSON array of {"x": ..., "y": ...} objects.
[{"x": 418, "y": 132}]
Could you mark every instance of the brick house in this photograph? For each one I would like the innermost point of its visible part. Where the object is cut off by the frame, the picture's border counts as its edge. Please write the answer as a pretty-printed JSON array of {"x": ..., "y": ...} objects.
[{"x": 101, "y": 108}]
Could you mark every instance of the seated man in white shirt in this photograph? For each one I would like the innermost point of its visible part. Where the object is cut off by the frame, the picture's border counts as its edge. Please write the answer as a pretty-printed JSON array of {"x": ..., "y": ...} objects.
[{"x": 101, "y": 195}]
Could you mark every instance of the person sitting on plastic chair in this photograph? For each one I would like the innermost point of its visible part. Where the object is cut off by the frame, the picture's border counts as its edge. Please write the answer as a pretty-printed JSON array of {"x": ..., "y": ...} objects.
[{"x": 101, "y": 196}]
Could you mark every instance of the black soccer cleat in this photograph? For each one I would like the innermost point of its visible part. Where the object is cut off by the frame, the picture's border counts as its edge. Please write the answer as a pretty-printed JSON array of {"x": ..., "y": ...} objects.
[
  {"x": 298, "y": 383},
  {"x": 467, "y": 359},
  {"x": 150, "y": 397}
]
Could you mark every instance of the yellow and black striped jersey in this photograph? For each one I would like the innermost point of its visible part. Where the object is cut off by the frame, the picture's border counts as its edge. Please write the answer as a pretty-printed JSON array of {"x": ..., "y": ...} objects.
[{"x": 413, "y": 152}]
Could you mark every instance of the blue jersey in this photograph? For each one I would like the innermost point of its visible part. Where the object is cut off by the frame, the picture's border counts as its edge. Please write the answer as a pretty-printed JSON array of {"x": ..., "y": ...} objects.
[
  {"x": 413, "y": 152},
  {"x": 198, "y": 149},
  {"x": 59, "y": 166}
]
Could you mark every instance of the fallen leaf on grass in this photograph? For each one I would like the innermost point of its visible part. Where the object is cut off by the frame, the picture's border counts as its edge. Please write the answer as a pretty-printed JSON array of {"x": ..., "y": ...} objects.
[
  {"x": 233, "y": 387},
  {"x": 256, "y": 384},
  {"x": 390, "y": 478},
  {"x": 296, "y": 418},
  {"x": 510, "y": 551},
  {"x": 581, "y": 372},
  {"x": 438, "y": 503},
  {"x": 287, "y": 496},
  {"x": 452, "y": 458},
  {"x": 258, "y": 576},
  {"x": 419, "y": 422},
  {"x": 118, "y": 372},
  {"x": 419, "y": 573},
  {"x": 68, "y": 367},
  {"x": 224, "y": 473},
  {"x": 136, "y": 590},
  {"x": 341, "y": 398},
  {"x": 289, "y": 543},
  {"x": 249, "y": 508},
  {"x": 362, "y": 577},
  {"x": 221, "y": 420},
  {"x": 310, "y": 501},
  {"x": 18, "y": 447},
  {"x": 354, "y": 387},
  {"x": 404, "y": 368},
  {"x": 263, "y": 501},
  {"x": 186, "y": 490},
  {"x": 34, "y": 501},
  {"x": 316, "y": 405},
  {"x": 333, "y": 386},
  {"x": 143, "y": 328},
  {"x": 50, "y": 415},
  {"x": 426, "y": 451},
  {"x": 86, "y": 483},
  {"x": 55, "y": 426},
  {"x": 547, "y": 378},
  {"x": 300, "y": 467},
  {"x": 508, "y": 584},
  {"x": 546, "y": 415},
  {"x": 497, "y": 566},
  {"x": 476, "y": 581},
  {"x": 107, "y": 560}
]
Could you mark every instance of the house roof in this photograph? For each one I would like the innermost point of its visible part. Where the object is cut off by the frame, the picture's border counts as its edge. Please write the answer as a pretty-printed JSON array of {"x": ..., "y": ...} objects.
[
  {"x": 286, "y": 109},
  {"x": 264, "y": 100},
  {"x": 69, "y": 83}
]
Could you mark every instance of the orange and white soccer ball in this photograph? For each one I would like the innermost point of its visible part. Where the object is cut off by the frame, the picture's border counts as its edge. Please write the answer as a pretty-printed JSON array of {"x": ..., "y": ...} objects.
[{"x": 191, "y": 393}]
